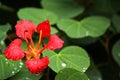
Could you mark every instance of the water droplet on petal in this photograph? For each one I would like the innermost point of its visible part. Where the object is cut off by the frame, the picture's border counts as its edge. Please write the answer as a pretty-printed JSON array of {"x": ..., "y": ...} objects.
[{"x": 63, "y": 64}]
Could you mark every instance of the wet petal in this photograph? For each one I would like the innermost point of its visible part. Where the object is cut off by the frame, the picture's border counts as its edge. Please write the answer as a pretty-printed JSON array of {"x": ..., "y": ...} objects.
[
  {"x": 36, "y": 66},
  {"x": 45, "y": 27},
  {"x": 54, "y": 42},
  {"x": 13, "y": 51},
  {"x": 25, "y": 29}
]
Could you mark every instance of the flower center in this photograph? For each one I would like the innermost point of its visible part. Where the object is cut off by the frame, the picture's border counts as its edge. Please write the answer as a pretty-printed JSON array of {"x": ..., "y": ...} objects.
[{"x": 33, "y": 52}]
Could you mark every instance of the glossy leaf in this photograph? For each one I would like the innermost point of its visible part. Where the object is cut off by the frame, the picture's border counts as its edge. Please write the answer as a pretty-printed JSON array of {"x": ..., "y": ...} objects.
[
  {"x": 24, "y": 74},
  {"x": 93, "y": 26},
  {"x": 116, "y": 52},
  {"x": 69, "y": 57},
  {"x": 63, "y": 7},
  {"x": 37, "y": 15},
  {"x": 70, "y": 74},
  {"x": 9, "y": 68}
]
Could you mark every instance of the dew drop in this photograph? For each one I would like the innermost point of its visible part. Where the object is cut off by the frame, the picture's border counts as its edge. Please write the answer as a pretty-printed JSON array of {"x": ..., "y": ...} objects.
[
  {"x": 6, "y": 59},
  {"x": 27, "y": 78},
  {"x": 13, "y": 72},
  {"x": 86, "y": 33},
  {"x": 20, "y": 66},
  {"x": 21, "y": 63},
  {"x": 63, "y": 64},
  {"x": 84, "y": 69},
  {"x": 6, "y": 62},
  {"x": 2, "y": 42}
]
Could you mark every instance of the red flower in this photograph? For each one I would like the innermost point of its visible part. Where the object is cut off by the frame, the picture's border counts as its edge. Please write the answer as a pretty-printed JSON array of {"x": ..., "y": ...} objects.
[
  {"x": 44, "y": 27},
  {"x": 25, "y": 29},
  {"x": 54, "y": 42},
  {"x": 36, "y": 66},
  {"x": 13, "y": 51}
]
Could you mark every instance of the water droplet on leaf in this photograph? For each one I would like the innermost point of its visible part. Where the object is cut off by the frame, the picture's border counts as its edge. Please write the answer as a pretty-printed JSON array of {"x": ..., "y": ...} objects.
[
  {"x": 21, "y": 63},
  {"x": 84, "y": 69},
  {"x": 13, "y": 72},
  {"x": 20, "y": 66},
  {"x": 27, "y": 78},
  {"x": 6, "y": 62},
  {"x": 86, "y": 33},
  {"x": 63, "y": 64},
  {"x": 6, "y": 59},
  {"x": 2, "y": 42}
]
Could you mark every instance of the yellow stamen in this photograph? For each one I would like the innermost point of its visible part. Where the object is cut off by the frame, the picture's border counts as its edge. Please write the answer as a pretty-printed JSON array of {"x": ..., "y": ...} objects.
[{"x": 40, "y": 40}]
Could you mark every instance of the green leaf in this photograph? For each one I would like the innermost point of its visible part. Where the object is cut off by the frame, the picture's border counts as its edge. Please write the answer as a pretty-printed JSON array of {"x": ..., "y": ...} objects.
[
  {"x": 2, "y": 45},
  {"x": 69, "y": 57},
  {"x": 93, "y": 73},
  {"x": 37, "y": 15},
  {"x": 116, "y": 52},
  {"x": 53, "y": 30},
  {"x": 3, "y": 31},
  {"x": 72, "y": 28},
  {"x": 63, "y": 8},
  {"x": 93, "y": 26},
  {"x": 116, "y": 22},
  {"x": 3, "y": 35},
  {"x": 24, "y": 74},
  {"x": 9, "y": 68},
  {"x": 70, "y": 74}
]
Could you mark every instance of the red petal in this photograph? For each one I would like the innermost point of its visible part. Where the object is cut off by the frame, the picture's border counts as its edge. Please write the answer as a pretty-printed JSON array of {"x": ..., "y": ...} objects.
[
  {"x": 25, "y": 29},
  {"x": 54, "y": 42},
  {"x": 13, "y": 51},
  {"x": 45, "y": 27},
  {"x": 38, "y": 65}
]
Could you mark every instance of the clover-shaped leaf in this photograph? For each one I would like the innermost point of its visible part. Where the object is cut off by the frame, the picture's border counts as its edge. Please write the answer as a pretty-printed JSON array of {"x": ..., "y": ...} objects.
[
  {"x": 93, "y": 26},
  {"x": 70, "y": 57},
  {"x": 9, "y": 68}
]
